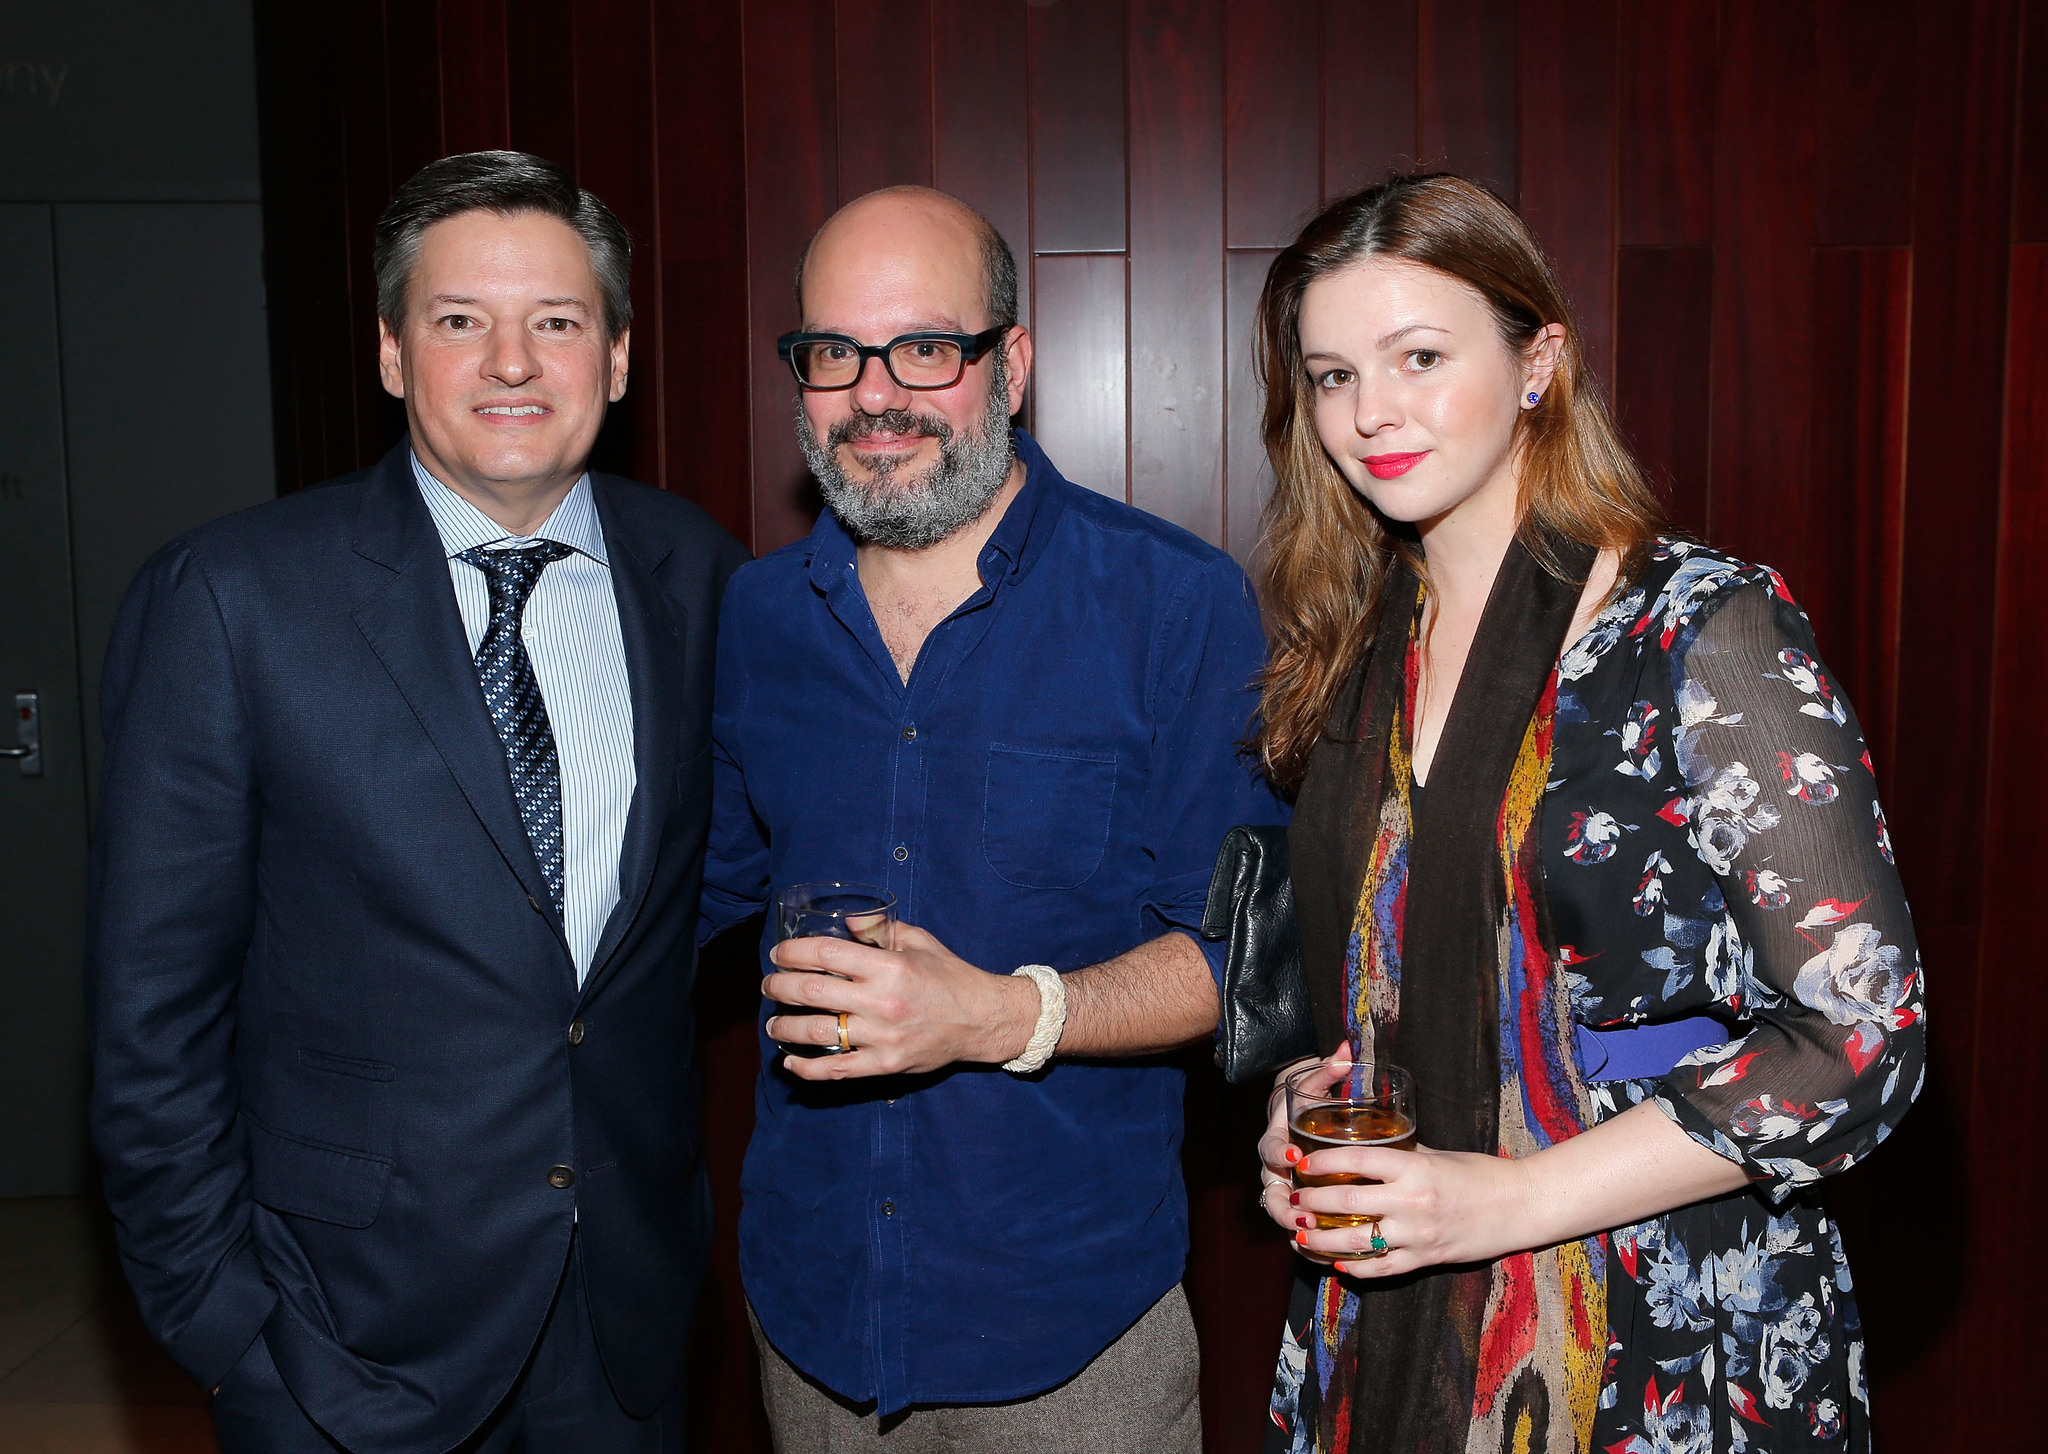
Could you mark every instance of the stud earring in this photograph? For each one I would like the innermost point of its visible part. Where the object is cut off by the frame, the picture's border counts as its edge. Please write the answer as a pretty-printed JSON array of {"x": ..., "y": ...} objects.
[{"x": 1534, "y": 397}]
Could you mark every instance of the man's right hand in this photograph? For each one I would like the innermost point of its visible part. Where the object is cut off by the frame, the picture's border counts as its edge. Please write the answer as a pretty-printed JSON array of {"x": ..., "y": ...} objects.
[{"x": 916, "y": 1007}]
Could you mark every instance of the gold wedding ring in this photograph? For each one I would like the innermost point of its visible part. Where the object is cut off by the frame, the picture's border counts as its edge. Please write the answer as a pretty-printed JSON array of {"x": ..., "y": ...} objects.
[{"x": 845, "y": 1042}]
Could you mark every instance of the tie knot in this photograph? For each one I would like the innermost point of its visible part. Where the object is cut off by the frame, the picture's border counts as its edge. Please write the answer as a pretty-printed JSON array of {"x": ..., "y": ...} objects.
[{"x": 513, "y": 572}]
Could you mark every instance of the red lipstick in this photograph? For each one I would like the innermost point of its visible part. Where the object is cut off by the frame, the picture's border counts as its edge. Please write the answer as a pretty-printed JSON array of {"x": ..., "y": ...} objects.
[{"x": 1387, "y": 466}]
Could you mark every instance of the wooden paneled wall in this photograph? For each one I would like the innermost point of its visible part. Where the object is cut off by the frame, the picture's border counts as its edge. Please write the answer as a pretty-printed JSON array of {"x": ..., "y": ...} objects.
[{"x": 1808, "y": 242}]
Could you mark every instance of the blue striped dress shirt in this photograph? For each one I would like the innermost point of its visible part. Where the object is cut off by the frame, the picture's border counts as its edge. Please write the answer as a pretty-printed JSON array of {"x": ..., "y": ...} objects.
[{"x": 571, "y": 631}]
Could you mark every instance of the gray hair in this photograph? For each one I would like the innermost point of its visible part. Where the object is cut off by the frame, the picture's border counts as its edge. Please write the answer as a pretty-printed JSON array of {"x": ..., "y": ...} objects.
[
  {"x": 999, "y": 275},
  {"x": 507, "y": 183}
]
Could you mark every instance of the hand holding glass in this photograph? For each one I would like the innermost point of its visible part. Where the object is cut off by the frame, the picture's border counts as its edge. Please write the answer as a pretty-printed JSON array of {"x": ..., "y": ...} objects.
[
  {"x": 860, "y": 913},
  {"x": 1341, "y": 1104}
]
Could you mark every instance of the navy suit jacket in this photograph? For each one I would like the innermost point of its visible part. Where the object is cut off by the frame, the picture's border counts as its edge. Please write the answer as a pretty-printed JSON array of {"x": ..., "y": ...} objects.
[{"x": 331, "y": 999}]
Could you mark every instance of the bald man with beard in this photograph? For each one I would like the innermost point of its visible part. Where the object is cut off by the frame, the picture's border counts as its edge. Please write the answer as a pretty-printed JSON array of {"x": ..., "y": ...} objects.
[{"x": 1015, "y": 706}]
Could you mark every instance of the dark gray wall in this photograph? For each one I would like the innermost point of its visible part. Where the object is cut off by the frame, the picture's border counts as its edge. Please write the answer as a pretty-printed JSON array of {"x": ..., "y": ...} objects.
[
  {"x": 134, "y": 403},
  {"x": 127, "y": 99}
]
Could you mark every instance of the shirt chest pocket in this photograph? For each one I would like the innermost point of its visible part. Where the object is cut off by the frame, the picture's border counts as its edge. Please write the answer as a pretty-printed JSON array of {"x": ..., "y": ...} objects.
[{"x": 1045, "y": 818}]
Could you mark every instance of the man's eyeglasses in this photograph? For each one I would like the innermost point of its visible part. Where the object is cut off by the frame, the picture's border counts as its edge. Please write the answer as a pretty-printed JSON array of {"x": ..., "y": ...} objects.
[{"x": 826, "y": 361}]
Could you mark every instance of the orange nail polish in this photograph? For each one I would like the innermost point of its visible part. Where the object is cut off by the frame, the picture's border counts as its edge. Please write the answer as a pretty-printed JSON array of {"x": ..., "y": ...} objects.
[
  {"x": 1301, "y": 1237},
  {"x": 1292, "y": 1154}
]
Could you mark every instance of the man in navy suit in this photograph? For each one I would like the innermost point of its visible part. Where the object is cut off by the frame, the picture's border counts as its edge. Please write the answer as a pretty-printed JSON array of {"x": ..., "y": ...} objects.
[{"x": 395, "y": 887}]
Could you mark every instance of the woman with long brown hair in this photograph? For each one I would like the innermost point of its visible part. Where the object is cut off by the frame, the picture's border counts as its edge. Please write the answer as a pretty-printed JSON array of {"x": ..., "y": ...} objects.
[{"x": 1587, "y": 840}]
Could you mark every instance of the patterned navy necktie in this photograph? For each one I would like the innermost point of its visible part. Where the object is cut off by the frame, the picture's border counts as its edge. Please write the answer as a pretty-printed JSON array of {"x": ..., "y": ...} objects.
[{"x": 513, "y": 696}]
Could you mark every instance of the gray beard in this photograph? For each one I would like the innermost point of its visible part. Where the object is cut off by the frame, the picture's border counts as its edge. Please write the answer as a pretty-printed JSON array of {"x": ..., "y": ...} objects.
[{"x": 914, "y": 512}]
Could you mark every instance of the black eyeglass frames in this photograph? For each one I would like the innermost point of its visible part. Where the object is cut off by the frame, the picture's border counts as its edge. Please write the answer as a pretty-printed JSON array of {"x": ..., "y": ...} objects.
[{"x": 827, "y": 361}]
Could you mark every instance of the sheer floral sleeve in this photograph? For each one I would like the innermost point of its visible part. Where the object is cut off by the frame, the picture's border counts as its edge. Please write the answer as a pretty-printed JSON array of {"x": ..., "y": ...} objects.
[{"x": 1782, "y": 807}]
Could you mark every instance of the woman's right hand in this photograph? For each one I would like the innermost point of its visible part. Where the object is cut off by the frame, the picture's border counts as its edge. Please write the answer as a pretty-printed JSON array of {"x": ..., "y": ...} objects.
[{"x": 1277, "y": 1155}]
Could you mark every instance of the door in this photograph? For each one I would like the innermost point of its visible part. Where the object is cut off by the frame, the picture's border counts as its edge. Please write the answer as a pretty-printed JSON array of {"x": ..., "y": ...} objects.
[{"x": 42, "y": 817}]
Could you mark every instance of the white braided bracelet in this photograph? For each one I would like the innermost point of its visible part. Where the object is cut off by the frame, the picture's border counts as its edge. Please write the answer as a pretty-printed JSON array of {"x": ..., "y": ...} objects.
[{"x": 1052, "y": 1019}]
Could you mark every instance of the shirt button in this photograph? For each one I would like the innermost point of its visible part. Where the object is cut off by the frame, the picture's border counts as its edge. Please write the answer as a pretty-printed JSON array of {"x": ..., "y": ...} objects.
[
  {"x": 561, "y": 1178},
  {"x": 902, "y": 853},
  {"x": 910, "y": 734},
  {"x": 888, "y": 1209},
  {"x": 575, "y": 1032}
]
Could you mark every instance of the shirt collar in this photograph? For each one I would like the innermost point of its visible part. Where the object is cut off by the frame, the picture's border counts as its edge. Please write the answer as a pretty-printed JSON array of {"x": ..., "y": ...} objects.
[
  {"x": 1019, "y": 538},
  {"x": 463, "y": 527},
  {"x": 1027, "y": 527}
]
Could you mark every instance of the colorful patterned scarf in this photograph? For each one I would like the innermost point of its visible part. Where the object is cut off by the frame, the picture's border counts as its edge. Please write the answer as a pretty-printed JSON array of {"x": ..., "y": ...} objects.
[{"x": 1447, "y": 971}]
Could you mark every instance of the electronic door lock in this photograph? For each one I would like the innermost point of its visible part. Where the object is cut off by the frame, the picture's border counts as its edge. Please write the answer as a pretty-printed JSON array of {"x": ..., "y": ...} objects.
[{"x": 28, "y": 734}]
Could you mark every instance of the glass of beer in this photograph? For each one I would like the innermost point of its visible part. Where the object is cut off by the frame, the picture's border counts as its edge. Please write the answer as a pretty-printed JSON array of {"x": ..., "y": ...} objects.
[
  {"x": 1339, "y": 1103},
  {"x": 861, "y": 913}
]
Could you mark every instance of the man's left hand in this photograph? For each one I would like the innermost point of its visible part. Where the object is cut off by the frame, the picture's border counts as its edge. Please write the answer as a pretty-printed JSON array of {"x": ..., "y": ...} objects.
[{"x": 916, "y": 1007}]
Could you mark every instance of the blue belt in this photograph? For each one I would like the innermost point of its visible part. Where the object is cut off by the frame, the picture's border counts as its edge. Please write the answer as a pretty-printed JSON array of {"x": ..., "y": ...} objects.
[{"x": 1645, "y": 1052}]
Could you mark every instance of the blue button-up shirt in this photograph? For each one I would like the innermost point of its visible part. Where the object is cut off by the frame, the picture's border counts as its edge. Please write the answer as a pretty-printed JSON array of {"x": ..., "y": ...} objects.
[{"x": 1050, "y": 787}]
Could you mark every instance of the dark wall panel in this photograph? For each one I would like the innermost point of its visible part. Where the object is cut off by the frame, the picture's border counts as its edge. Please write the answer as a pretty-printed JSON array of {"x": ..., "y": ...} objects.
[
  {"x": 617, "y": 158},
  {"x": 1763, "y": 283},
  {"x": 1465, "y": 103},
  {"x": 1369, "y": 92},
  {"x": 1081, "y": 410},
  {"x": 1664, "y": 315},
  {"x": 542, "y": 90},
  {"x": 792, "y": 186},
  {"x": 1176, "y": 222},
  {"x": 136, "y": 102},
  {"x": 1465, "y": 89},
  {"x": 2030, "y": 192},
  {"x": 1668, "y": 77},
  {"x": 1077, "y": 127},
  {"x": 1849, "y": 583},
  {"x": 412, "y": 67},
  {"x": 981, "y": 141},
  {"x": 1963, "y": 186},
  {"x": 1567, "y": 127},
  {"x": 701, "y": 336},
  {"x": 1962, "y": 189},
  {"x": 1867, "y": 94},
  {"x": 1247, "y": 478},
  {"x": 145, "y": 464},
  {"x": 885, "y": 95},
  {"x": 473, "y": 51},
  {"x": 2011, "y": 1284},
  {"x": 43, "y": 1145},
  {"x": 1272, "y": 120}
]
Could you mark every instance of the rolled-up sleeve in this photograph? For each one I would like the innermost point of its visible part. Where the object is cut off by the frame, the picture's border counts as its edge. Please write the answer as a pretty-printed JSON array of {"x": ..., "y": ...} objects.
[{"x": 1207, "y": 652}]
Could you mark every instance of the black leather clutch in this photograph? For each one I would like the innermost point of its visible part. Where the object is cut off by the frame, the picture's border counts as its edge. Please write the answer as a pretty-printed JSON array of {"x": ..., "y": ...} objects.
[{"x": 1266, "y": 1021}]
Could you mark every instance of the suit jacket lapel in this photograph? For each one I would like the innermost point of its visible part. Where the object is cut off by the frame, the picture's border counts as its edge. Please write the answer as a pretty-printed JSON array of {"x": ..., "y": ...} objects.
[
  {"x": 650, "y": 625},
  {"x": 415, "y": 628}
]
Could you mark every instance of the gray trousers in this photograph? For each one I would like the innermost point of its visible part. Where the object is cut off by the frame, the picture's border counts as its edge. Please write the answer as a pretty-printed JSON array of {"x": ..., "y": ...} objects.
[{"x": 1138, "y": 1396}]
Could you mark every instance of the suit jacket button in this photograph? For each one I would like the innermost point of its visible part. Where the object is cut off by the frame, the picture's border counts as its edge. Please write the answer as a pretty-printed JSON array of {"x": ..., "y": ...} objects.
[
  {"x": 561, "y": 1177},
  {"x": 575, "y": 1032}
]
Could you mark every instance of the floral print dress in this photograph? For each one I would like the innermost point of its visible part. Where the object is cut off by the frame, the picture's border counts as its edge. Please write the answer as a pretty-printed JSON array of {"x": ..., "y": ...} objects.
[{"x": 1713, "y": 845}]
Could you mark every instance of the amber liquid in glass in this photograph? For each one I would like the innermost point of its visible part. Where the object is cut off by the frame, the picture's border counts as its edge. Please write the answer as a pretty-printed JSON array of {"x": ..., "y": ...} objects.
[{"x": 1321, "y": 1128}]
